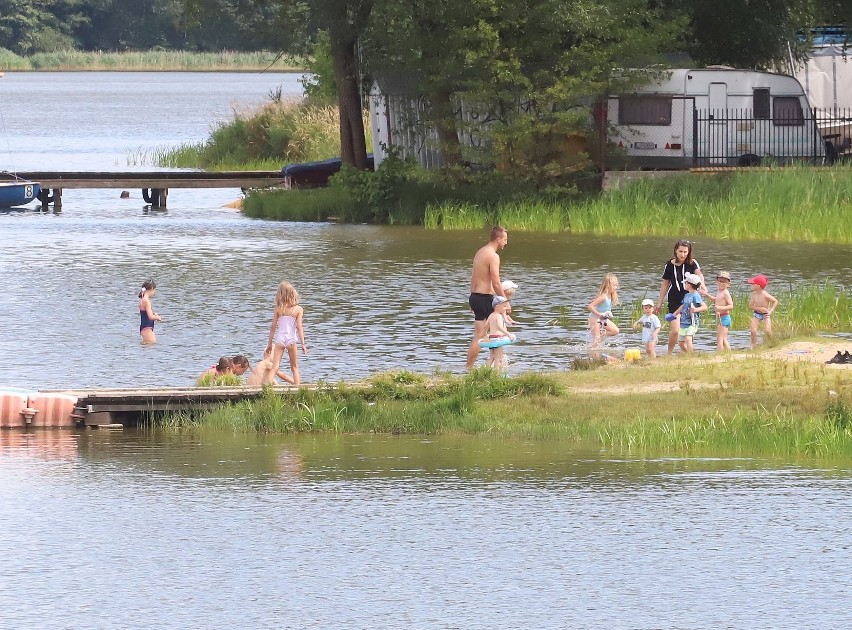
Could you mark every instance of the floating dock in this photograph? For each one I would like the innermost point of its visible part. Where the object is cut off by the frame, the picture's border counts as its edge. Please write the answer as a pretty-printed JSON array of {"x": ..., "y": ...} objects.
[{"x": 22, "y": 408}]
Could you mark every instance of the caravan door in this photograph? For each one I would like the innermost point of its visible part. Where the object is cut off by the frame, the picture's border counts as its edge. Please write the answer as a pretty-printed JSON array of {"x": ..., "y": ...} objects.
[{"x": 717, "y": 124}]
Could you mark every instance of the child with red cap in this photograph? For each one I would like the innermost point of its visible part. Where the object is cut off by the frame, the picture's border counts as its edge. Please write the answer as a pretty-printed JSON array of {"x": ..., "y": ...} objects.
[{"x": 762, "y": 304}]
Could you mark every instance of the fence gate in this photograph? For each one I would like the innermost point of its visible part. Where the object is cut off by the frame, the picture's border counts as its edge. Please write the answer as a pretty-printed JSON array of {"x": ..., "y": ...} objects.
[{"x": 714, "y": 135}]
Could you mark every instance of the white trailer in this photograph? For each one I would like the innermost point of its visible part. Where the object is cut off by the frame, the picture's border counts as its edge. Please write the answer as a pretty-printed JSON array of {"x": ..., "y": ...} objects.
[{"x": 714, "y": 116}]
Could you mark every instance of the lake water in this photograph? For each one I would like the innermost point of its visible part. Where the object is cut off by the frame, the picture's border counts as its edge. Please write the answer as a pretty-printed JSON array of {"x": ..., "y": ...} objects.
[
  {"x": 375, "y": 297},
  {"x": 136, "y": 529},
  {"x": 157, "y": 529}
]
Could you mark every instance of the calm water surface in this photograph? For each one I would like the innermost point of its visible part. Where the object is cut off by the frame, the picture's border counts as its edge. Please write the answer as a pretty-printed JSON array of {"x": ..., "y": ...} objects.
[
  {"x": 375, "y": 298},
  {"x": 138, "y": 529}
]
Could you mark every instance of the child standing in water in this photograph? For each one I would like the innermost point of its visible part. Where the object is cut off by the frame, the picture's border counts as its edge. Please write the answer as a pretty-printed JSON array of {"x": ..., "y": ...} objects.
[
  {"x": 600, "y": 309},
  {"x": 690, "y": 312},
  {"x": 286, "y": 331},
  {"x": 762, "y": 304},
  {"x": 147, "y": 315},
  {"x": 650, "y": 325},
  {"x": 724, "y": 304},
  {"x": 496, "y": 330}
]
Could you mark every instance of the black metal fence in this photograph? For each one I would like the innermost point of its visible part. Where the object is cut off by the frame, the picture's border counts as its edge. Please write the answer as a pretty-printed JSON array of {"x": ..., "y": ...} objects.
[{"x": 676, "y": 134}]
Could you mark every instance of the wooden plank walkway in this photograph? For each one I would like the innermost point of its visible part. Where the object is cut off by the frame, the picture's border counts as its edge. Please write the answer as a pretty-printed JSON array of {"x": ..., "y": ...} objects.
[
  {"x": 154, "y": 179},
  {"x": 98, "y": 407}
]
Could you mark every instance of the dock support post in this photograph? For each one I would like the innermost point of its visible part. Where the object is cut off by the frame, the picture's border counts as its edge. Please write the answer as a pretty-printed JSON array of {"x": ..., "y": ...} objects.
[
  {"x": 155, "y": 196},
  {"x": 45, "y": 197}
]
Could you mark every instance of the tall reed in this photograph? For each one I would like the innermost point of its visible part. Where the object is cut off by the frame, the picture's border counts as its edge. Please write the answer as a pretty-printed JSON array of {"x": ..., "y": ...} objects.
[
  {"x": 151, "y": 60},
  {"x": 277, "y": 132},
  {"x": 787, "y": 204}
]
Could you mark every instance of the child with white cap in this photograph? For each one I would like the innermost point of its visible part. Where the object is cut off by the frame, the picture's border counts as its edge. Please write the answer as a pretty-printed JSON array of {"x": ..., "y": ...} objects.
[
  {"x": 650, "y": 325},
  {"x": 509, "y": 289},
  {"x": 498, "y": 335},
  {"x": 690, "y": 311}
]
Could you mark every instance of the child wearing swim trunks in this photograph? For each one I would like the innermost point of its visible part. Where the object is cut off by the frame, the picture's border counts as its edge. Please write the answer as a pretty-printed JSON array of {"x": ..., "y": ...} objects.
[
  {"x": 690, "y": 312},
  {"x": 761, "y": 304},
  {"x": 650, "y": 325},
  {"x": 723, "y": 303},
  {"x": 286, "y": 331},
  {"x": 496, "y": 330}
]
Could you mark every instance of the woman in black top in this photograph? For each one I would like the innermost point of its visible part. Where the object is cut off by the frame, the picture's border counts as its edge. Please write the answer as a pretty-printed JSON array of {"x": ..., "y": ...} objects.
[{"x": 674, "y": 287}]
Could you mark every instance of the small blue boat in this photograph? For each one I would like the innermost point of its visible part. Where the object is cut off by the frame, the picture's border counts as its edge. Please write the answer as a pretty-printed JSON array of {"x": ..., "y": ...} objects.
[{"x": 17, "y": 192}]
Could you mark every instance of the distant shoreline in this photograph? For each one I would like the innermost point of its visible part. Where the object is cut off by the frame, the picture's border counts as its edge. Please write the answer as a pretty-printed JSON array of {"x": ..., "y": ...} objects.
[{"x": 151, "y": 61}]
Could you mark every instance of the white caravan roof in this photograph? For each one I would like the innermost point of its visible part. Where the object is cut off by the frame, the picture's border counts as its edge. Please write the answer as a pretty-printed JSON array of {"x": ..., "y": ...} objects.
[{"x": 696, "y": 81}]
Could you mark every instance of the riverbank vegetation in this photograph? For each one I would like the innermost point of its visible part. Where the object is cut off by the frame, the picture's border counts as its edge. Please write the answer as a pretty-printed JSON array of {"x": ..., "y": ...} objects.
[
  {"x": 792, "y": 204},
  {"x": 267, "y": 137},
  {"x": 746, "y": 404},
  {"x": 789, "y": 204},
  {"x": 67, "y": 60}
]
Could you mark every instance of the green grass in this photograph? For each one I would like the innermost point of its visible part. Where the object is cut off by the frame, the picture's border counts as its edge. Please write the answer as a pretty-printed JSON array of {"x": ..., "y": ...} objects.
[
  {"x": 274, "y": 134},
  {"x": 151, "y": 60},
  {"x": 788, "y": 204},
  {"x": 740, "y": 406},
  {"x": 222, "y": 380}
]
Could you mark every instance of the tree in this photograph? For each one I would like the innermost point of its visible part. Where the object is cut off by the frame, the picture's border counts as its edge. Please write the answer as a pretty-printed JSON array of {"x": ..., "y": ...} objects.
[
  {"x": 31, "y": 26},
  {"x": 753, "y": 33},
  {"x": 534, "y": 67}
]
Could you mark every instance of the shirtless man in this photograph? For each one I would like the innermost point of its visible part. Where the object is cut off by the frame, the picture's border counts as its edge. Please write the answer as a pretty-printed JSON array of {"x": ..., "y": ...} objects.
[{"x": 484, "y": 285}]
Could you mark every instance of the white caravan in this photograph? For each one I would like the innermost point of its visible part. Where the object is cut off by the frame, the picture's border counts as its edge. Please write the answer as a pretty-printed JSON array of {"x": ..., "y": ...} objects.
[{"x": 713, "y": 117}]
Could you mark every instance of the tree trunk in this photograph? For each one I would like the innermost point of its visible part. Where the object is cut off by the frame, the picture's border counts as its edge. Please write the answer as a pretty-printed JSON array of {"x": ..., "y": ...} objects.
[
  {"x": 444, "y": 118},
  {"x": 353, "y": 143}
]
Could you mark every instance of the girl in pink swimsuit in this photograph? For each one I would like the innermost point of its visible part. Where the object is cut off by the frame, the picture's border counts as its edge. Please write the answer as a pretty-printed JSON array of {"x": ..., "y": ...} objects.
[{"x": 286, "y": 331}]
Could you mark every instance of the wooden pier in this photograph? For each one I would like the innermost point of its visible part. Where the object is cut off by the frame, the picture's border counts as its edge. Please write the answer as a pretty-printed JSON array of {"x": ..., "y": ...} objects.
[
  {"x": 128, "y": 406},
  {"x": 155, "y": 185}
]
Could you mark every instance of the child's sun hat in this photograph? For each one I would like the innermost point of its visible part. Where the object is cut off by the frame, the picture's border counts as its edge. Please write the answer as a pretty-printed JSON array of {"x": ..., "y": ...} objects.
[
  {"x": 497, "y": 300},
  {"x": 760, "y": 280},
  {"x": 723, "y": 275},
  {"x": 508, "y": 284},
  {"x": 647, "y": 302},
  {"x": 693, "y": 279}
]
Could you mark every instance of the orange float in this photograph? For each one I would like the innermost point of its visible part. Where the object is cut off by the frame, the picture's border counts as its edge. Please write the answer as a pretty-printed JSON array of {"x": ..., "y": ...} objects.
[
  {"x": 52, "y": 409},
  {"x": 13, "y": 402}
]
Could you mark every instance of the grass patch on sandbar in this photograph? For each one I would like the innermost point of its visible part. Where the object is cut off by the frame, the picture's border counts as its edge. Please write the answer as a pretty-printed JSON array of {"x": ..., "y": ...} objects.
[{"x": 740, "y": 404}]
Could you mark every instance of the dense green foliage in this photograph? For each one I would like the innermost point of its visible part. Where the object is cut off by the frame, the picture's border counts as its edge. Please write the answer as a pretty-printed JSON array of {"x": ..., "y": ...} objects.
[
  {"x": 277, "y": 133},
  {"x": 28, "y": 26},
  {"x": 398, "y": 192}
]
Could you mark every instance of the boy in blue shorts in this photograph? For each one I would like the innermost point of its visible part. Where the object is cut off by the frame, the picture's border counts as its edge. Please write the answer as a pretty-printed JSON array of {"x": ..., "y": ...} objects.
[
  {"x": 690, "y": 312},
  {"x": 724, "y": 304}
]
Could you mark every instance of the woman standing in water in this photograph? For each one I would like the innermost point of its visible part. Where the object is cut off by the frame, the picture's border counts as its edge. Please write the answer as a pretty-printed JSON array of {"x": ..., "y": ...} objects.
[
  {"x": 674, "y": 285},
  {"x": 147, "y": 315}
]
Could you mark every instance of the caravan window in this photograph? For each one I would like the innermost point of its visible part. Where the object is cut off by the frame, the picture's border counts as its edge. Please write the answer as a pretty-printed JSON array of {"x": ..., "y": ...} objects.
[
  {"x": 645, "y": 110},
  {"x": 761, "y": 103},
  {"x": 787, "y": 110}
]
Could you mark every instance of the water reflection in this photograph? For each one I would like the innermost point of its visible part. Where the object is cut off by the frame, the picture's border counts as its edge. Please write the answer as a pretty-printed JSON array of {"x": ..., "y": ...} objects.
[{"x": 367, "y": 531}]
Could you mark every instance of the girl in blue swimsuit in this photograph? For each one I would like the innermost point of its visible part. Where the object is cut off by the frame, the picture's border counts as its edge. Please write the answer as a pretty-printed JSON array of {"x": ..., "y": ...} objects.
[
  {"x": 600, "y": 310},
  {"x": 147, "y": 316}
]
